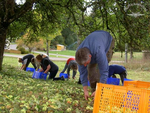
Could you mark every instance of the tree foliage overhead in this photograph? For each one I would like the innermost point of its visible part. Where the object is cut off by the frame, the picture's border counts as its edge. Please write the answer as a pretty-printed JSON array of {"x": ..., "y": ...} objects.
[
  {"x": 69, "y": 36},
  {"x": 44, "y": 17},
  {"x": 127, "y": 21}
]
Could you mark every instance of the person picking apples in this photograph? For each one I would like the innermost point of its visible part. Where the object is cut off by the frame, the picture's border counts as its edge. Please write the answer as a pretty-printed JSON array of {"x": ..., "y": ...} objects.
[
  {"x": 71, "y": 64},
  {"x": 93, "y": 56},
  {"x": 117, "y": 69},
  {"x": 26, "y": 60},
  {"x": 47, "y": 66}
]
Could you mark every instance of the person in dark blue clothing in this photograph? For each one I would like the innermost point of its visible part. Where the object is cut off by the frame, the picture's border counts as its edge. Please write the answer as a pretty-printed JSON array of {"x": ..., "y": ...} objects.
[
  {"x": 93, "y": 56},
  {"x": 117, "y": 69},
  {"x": 26, "y": 61}
]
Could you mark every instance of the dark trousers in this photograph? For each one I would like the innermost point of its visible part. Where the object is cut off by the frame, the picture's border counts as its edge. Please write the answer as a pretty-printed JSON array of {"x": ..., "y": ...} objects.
[
  {"x": 122, "y": 76},
  {"x": 53, "y": 74},
  {"x": 79, "y": 82},
  {"x": 28, "y": 62}
]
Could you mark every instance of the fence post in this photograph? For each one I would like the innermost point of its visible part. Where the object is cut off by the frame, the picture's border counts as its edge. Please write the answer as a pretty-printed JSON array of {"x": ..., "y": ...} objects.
[{"x": 126, "y": 52}]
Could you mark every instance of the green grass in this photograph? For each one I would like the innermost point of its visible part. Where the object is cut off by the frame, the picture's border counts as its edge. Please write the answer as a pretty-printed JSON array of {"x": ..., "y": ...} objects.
[
  {"x": 57, "y": 56},
  {"x": 117, "y": 56},
  {"x": 66, "y": 52},
  {"x": 133, "y": 66},
  {"x": 14, "y": 62},
  {"x": 19, "y": 93},
  {"x": 35, "y": 54}
]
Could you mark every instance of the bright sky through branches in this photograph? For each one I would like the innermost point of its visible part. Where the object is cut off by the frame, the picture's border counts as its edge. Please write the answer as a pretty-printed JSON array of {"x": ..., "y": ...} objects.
[
  {"x": 88, "y": 10},
  {"x": 20, "y": 1}
]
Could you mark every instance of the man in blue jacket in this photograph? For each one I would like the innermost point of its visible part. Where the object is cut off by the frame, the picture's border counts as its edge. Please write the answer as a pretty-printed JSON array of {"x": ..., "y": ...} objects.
[
  {"x": 93, "y": 56},
  {"x": 117, "y": 69}
]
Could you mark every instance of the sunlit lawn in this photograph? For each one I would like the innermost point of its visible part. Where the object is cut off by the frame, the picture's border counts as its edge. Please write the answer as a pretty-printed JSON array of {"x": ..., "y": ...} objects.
[
  {"x": 137, "y": 69},
  {"x": 14, "y": 62},
  {"x": 35, "y": 54},
  {"x": 66, "y": 52},
  {"x": 19, "y": 93},
  {"x": 117, "y": 56}
]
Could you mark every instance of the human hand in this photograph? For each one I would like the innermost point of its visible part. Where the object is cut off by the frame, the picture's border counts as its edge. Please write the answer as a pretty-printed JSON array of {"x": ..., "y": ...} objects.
[
  {"x": 36, "y": 69},
  {"x": 86, "y": 95},
  {"x": 41, "y": 70},
  {"x": 93, "y": 94},
  {"x": 68, "y": 76}
]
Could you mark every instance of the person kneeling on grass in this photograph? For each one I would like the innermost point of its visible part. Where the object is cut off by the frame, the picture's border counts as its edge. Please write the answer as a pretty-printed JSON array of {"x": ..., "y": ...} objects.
[
  {"x": 70, "y": 64},
  {"x": 48, "y": 66},
  {"x": 117, "y": 69},
  {"x": 34, "y": 61},
  {"x": 25, "y": 61}
]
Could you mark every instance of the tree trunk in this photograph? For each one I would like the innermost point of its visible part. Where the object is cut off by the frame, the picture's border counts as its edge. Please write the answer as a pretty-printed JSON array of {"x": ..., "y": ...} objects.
[
  {"x": 126, "y": 52},
  {"x": 131, "y": 53},
  {"x": 121, "y": 54},
  {"x": 47, "y": 44},
  {"x": 2, "y": 43},
  {"x": 30, "y": 49}
]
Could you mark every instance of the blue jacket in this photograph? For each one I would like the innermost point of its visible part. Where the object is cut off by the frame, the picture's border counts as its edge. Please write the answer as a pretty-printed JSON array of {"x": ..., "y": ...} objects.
[
  {"x": 98, "y": 42},
  {"x": 116, "y": 69}
]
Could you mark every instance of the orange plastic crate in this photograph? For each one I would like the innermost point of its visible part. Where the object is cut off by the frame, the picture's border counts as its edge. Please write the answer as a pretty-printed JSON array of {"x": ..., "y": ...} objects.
[
  {"x": 138, "y": 84},
  {"x": 121, "y": 99}
]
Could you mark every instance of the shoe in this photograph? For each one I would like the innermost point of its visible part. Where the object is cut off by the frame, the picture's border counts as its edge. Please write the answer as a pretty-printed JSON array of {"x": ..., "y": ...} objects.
[{"x": 62, "y": 78}]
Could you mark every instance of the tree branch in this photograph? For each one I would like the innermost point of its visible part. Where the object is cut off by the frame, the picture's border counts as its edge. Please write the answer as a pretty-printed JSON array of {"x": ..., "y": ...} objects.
[{"x": 21, "y": 11}]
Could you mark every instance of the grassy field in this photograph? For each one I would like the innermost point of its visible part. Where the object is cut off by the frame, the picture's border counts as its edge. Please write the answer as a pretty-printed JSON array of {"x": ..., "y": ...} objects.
[
  {"x": 116, "y": 56},
  {"x": 14, "y": 62},
  {"x": 134, "y": 65},
  {"x": 67, "y": 52},
  {"x": 136, "y": 56},
  {"x": 35, "y": 54},
  {"x": 137, "y": 64},
  {"x": 19, "y": 93}
]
